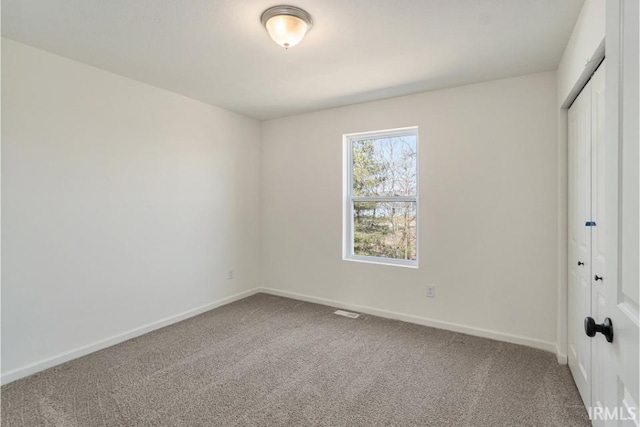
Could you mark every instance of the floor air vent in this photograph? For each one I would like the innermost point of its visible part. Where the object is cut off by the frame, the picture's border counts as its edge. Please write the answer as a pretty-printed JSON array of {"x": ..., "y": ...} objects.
[{"x": 346, "y": 314}]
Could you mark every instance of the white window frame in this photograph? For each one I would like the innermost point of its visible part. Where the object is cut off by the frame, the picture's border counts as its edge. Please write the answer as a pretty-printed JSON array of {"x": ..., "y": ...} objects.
[{"x": 349, "y": 198}]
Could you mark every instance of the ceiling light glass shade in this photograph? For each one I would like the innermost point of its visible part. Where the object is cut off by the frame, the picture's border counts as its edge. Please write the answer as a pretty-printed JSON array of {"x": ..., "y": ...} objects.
[
  {"x": 286, "y": 30},
  {"x": 287, "y": 25}
]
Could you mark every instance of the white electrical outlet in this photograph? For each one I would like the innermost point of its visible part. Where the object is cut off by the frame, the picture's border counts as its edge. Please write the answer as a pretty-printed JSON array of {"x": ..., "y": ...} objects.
[
  {"x": 230, "y": 274},
  {"x": 431, "y": 291}
]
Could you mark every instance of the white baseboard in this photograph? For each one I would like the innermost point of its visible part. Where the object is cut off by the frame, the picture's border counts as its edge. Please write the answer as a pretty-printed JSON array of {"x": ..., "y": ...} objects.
[
  {"x": 23, "y": 371},
  {"x": 455, "y": 327},
  {"x": 562, "y": 357}
]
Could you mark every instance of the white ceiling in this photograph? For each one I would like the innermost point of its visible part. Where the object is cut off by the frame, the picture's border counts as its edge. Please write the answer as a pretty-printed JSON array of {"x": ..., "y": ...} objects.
[{"x": 358, "y": 50}]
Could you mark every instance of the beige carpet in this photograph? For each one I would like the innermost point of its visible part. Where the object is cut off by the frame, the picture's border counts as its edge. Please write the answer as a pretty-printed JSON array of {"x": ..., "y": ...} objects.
[{"x": 271, "y": 361}]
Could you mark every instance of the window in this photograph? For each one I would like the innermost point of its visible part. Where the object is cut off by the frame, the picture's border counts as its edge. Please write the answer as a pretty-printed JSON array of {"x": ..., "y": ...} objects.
[{"x": 381, "y": 197}]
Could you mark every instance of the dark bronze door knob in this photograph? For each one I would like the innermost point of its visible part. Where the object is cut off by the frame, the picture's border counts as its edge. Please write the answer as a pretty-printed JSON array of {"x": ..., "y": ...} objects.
[{"x": 606, "y": 328}]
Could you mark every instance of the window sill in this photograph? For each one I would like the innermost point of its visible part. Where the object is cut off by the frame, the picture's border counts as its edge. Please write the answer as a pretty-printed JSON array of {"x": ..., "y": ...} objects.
[{"x": 381, "y": 261}]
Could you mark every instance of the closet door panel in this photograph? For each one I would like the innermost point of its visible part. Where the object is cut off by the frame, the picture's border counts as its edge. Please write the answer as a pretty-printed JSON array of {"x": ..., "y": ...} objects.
[
  {"x": 600, "y": 310},
  {"x": 579, "y": 127}
]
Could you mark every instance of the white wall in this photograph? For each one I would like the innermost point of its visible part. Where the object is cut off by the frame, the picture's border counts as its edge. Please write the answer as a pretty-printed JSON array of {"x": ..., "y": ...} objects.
[
  {"x": 123, "y": 204},
  {"x": 488, "y": 236},
  {"x": 580, "y": 58}
]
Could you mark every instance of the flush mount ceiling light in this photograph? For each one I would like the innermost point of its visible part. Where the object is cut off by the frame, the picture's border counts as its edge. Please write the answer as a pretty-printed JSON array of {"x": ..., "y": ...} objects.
[{"x": 287, "y": 25}]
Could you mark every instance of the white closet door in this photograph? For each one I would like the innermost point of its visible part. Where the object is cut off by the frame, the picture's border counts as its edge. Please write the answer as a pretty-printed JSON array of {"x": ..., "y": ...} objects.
[
  {"x": 599, "y": 282},
  {"x": 579, "y": 127}
]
